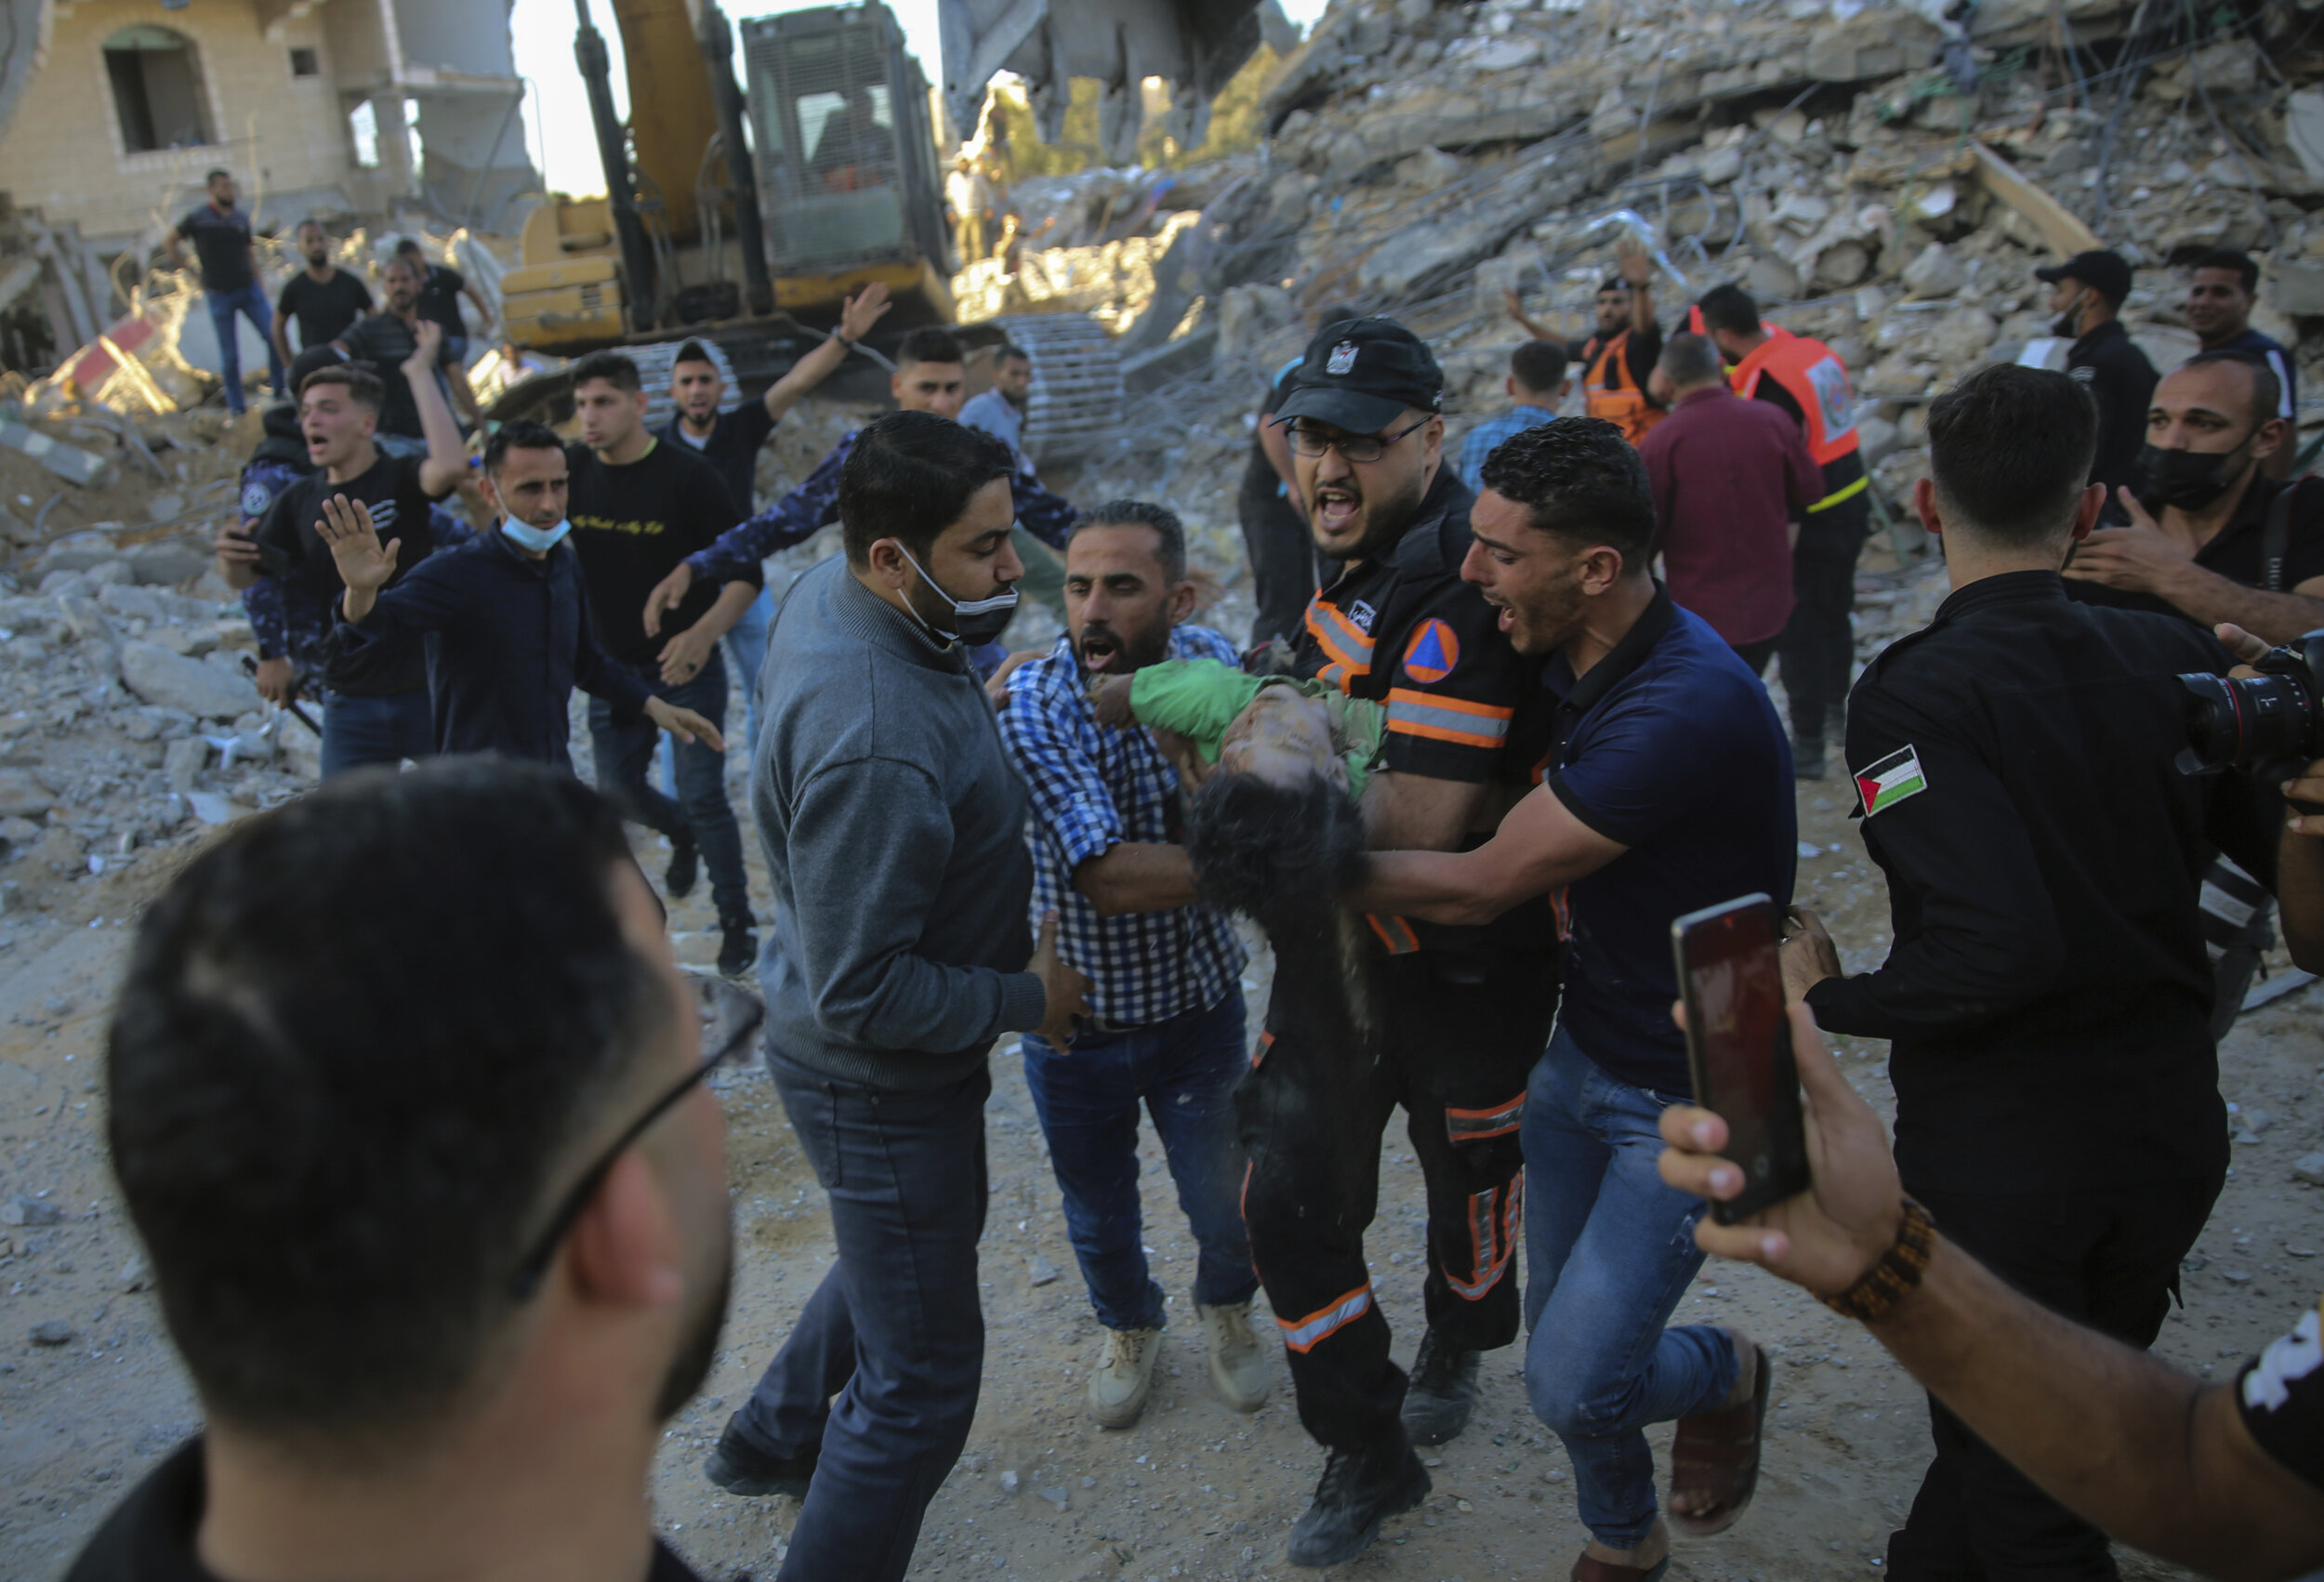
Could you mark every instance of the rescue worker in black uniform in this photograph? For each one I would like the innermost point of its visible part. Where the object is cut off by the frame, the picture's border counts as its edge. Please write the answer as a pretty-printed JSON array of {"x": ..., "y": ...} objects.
[
  {"x": 1458, "y": 1016},
  {"x": 2086, "y": 292},
  {"x": 2047, "y": 995}
]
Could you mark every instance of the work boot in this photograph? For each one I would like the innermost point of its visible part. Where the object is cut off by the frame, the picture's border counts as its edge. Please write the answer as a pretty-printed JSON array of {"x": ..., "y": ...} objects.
[
  {"x": 685, "y": 863},
  {"x": 1807, "y": 757},
  {"x": 1118, "y": 1390},
  {"x": 1443, "y": 1391},
  {"x": 1237, "y": 1366},
  {"x": 1360, "y": 1489},
  {"x": 738, "y": 1467},
  {"x": 738, "y": 944}
]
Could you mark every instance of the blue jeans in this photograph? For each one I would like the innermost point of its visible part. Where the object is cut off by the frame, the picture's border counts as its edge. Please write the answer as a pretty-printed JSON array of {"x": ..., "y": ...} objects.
[
  {"x": 746, "y": 650},
  {"x": 1184, "y": 1069},
  {"x": 251, "y": 303},
  {"x": 702, "y": 813},
  {"x": 1609, "y": 1250},
  {"x": 362, "y": 731},
  {"x": 895, "y": 1330}
]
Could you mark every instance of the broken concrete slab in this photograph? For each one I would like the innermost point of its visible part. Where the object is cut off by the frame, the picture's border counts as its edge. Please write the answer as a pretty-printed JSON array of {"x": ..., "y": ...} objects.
[
  {"x": 68, "y": 462},
  {"x": 170, "y": 680},
  {"x": 2058, "y": 226}
]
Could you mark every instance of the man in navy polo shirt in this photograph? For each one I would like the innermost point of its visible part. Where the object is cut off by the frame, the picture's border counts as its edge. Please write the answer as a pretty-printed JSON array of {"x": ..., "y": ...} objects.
[{"x": 1665, "y": 787}]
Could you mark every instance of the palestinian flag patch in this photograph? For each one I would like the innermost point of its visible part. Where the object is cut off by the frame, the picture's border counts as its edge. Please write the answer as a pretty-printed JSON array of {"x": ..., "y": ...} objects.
[{"x": 1892, "y": 780}]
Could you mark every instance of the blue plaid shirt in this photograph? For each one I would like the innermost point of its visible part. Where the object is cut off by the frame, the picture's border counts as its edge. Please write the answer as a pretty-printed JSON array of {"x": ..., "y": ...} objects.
[
  {"x": 1487, "y": 437},
  {"x": 1092, "y": 788}
]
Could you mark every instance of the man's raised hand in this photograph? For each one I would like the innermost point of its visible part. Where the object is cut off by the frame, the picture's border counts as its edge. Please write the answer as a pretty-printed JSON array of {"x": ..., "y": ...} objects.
[
  {"x": 666, "y": 596},
  {"x": 864, "y": 309},
  {"x": 429, "y": 341},
  {"x": 365, "y": 564}
]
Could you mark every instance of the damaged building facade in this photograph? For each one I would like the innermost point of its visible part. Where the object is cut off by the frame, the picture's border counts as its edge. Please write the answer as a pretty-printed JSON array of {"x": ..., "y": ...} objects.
[{"x": 110, "y": 110}]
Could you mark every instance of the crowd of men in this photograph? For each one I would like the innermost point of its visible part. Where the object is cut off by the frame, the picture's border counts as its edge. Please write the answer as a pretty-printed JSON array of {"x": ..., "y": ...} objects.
[{"x": 439, "y": 1287}]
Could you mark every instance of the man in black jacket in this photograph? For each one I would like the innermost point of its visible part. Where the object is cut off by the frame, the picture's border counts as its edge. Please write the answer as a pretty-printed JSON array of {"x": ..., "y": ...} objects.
[
  {"x": 2086, "y": 292},
  {"x": 2015, "y": 764}
]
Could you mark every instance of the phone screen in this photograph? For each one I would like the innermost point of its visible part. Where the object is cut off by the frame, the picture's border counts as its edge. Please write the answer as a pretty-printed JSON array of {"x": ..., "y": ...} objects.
[{"x": 1739, "y": 1047}]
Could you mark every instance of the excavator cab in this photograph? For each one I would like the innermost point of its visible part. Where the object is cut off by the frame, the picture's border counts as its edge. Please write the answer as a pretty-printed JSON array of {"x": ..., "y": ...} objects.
[{"x": 846, "y": 161}]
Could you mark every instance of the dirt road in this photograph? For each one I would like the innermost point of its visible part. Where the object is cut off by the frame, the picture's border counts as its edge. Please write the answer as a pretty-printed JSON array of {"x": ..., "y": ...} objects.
[{"x": 1194, "y": 1490}]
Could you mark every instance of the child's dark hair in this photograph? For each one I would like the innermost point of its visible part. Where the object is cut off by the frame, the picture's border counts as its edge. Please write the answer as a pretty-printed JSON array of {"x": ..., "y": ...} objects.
[{"x": 1269, "y": 851}]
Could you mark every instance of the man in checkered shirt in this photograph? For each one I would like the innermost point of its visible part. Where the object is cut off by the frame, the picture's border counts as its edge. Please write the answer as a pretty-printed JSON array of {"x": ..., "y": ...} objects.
[{"x": 1165, "y": 971}]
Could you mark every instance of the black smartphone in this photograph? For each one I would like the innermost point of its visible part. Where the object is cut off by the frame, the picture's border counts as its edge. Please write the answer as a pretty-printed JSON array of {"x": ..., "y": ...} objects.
[{"x": 1738, "y": 1048}]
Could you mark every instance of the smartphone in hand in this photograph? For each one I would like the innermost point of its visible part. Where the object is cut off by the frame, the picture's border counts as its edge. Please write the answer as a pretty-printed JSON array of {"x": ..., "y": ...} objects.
[{"x": 1738, "y": 1048}]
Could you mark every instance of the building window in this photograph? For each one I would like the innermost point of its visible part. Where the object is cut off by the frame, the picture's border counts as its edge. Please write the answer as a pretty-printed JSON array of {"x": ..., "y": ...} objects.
[
  {"x": 157, "y": 89},
  {"x": 305, "y": 64}
]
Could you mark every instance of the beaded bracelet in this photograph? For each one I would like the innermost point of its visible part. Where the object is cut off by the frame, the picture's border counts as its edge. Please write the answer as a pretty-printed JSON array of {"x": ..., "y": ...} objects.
[{"x": 1897, "y": 1272}]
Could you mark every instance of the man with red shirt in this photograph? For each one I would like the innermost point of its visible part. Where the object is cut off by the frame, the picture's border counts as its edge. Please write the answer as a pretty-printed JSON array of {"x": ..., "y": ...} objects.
[{"x": 1732, "y": 478}]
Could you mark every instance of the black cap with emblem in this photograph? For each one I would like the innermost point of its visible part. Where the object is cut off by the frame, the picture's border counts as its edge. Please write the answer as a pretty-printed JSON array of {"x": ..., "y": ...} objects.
[{"x": 1360, "y": 374}]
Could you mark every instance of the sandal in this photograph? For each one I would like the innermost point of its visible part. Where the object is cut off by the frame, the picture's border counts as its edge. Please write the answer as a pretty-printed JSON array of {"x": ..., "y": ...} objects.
[
  {"x": 1717, "y": 1452},
  {"x": 1588, "y": 1568}
]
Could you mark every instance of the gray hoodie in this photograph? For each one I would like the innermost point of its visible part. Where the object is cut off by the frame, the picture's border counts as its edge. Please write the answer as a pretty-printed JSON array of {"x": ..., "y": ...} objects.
[{"x": 894, "y": 830}]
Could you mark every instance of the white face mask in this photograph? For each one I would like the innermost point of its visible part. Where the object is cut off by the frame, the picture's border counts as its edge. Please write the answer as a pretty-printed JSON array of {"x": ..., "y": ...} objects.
[
  {"x": 977, "y": 621},
  {"x": 539, "y": 540}
]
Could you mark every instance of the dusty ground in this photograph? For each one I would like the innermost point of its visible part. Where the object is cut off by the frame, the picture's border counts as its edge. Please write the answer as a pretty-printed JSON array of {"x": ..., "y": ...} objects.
[{"x": 1194, "y": 1490}]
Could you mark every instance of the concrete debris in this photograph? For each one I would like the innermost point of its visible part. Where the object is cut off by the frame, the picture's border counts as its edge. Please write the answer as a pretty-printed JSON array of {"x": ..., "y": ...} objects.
[
  {"x": 171, "y": 680},
  {"x": 52, "y": 1332},
  {"x": 29, "y": 1211}
]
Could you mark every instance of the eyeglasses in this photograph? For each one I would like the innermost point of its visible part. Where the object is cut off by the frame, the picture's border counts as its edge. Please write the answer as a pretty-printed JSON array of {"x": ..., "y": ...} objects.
[
  {"x": 1308, "y": 441},
  {"x": 731, "y": 1017}
]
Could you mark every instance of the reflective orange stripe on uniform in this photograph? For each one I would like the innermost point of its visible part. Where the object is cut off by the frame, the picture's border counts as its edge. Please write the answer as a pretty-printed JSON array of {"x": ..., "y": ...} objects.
[
  {"x": 1625, "y": 406},
  {"x": 1494, "y": 1120},
  {"x": 1303, "y": 1334},
  {"x": 1440, "y": 719},
  {"x": 1394, "y": 932},
  {"x": 1817, "y": 379},
  {"x": 1492, "y": 1238},
  {"x": 1259, "y": 1052},
  {"x": 1342, "y": 639}
]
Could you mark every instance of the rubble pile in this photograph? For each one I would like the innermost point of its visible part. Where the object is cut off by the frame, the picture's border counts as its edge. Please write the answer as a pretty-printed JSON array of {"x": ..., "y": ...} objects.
[{"x": 1876, "y": 175}]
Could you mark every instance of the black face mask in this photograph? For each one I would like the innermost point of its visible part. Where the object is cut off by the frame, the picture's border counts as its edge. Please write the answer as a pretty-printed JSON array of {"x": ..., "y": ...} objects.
[{"x": 2188, "y": 480}]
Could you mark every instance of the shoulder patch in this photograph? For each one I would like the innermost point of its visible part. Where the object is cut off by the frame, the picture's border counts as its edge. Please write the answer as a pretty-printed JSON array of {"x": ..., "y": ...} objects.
[
  {"x": 256, "y": 498},
  {"x": 1433, "y": 653},
  {"x": 1891, "y": 781}
]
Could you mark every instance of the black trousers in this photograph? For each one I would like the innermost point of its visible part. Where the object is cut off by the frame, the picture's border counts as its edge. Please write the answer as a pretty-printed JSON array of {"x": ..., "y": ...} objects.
[
  {"x": 1457, "y": 1056},
  {"x": 2108, "y": 1258},
  {"x": 1818, "y": 648},
  {"x": 1283, "y": 571}
]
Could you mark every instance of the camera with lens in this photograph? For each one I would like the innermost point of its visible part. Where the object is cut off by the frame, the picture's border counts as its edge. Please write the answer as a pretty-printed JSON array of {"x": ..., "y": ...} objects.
[{"x": 2271, "y": 721}]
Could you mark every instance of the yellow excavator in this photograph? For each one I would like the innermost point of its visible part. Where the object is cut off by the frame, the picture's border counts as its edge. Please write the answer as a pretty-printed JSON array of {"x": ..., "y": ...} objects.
[{"x": 743, "y": 212}]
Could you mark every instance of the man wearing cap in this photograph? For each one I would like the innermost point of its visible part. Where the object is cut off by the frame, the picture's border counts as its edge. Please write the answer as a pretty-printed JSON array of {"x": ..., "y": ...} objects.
[
  {"x": 1460, "y": 1015},
  {"x": 2086, "y": 293},
  {"x": 1618, "y": 360}
]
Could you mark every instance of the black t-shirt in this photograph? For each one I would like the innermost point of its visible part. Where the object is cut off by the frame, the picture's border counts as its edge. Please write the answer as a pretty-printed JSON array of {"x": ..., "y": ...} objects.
[
  {"x": 324, "y": 308},
  {"x": 732, "y": 448},
  {"x": 439, "y": 299},
  {"x": 2281, "y": 1394},
  {"x": 399, "y": 510},
  {"x": 2236, "y": 551},
  {"x": 631, "y": 525},
  {"x": 222, "y": 242},
  {"x": 383, "y": 341},
  {"x": 150, "y": 1535}
]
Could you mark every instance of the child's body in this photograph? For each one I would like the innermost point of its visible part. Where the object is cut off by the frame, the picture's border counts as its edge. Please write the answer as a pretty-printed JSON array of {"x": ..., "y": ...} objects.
[{"x": 1205, "y": 702}]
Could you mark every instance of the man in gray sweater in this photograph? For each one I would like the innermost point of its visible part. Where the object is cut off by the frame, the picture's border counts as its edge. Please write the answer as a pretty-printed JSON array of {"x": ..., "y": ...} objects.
[{"x": 894, "y": 831}]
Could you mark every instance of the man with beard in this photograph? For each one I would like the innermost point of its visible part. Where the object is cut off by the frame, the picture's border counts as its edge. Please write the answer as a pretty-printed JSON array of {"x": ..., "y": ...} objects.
[
  {"x": 2212, "y": 537},
  {"x": 1000, "y": 411},
  {"x": 1462, "y": 1013},
  {"x": 2224, "y": 289},
  {"x": 434, "y": 1195},
  {"x": 385, "y": 341},
  {"x": 323, "y": 298},
  {"x": 1665, "y": 790},
  {"x": 1165, "y": 971},
  {"x": 894, "y": 831}
]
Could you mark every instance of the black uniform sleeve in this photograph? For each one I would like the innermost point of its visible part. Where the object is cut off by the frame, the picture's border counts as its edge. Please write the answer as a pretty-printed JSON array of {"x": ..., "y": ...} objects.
[
  {"x": 1641, "y": 352},
  {"x": 2281, "y": 1395},
  {"x": 1945, "y": 830},
  {"x": 1453, "y": 686}
]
